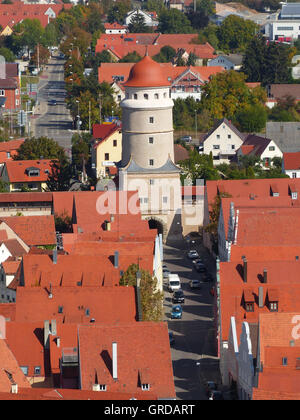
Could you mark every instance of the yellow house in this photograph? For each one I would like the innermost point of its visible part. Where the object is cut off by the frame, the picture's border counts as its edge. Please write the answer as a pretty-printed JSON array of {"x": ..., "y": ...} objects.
[
  {"x": 26, "y": 175},
  {"x": 106, "y": 148},
  {"x": 7, "y": 31}
]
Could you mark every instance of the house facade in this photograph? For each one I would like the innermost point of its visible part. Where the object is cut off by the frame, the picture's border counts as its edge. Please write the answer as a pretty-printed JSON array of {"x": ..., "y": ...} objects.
[
  {"x": 261, "y": 147},
  {"x": 291, "y": 164},
  {"x": 222, "y": 141},
  {"x": 106, "y": 148},
  {"x": 149, "y": 19}
]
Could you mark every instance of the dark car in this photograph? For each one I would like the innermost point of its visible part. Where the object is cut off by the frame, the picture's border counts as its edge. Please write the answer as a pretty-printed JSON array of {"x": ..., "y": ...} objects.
[
  {"x": 210, "y": 386},
  {"x": 171, "y": 337},
  {"x": 178, "y": 296},
  {"x": 216, "y": 395},
  {"x": 200, "y": 267},
  {"x": 53, "y": 102}
]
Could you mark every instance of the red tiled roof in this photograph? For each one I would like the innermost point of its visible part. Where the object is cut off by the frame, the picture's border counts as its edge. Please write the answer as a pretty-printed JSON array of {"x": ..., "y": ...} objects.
[
  {"x": 69, "y": 270},
  {"x": 8, "y": 310},
  {"x": 112, "y": 305},
  {"x": 11, "y": 267},
  {"x": 283, "y": 276},
  {"x": 255, "y": 145},
  {"x": 14, "y": 247},
  {"x": 265, "y": 253},
  {"x": 114, "y": 25},
  {"x": 33, "y": 230},
  {"x": 291, "y": 161},
  {"x": 180, "y": 153},
  {"x": 21, "y": 197},
  {"x": 17, "y": 170},
  {"x": 73, "y": 394},
  {"x": 8, "y": 146},
  {"x": 137, "y": 346},
  {"x": 103, "y": 131},
  {"x": 30, "y": 354},
  {"x": 10, "y": 371},
  {"x": 146, "y": 73}
]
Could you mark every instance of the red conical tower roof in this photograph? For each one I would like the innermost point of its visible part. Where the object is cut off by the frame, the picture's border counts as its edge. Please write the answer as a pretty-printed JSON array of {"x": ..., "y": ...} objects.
[{"x": 147, "y": 73}]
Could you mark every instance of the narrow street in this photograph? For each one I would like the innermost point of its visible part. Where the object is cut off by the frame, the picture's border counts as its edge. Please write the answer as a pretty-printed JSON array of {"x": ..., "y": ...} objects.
[
  {"x": 52, "y": 118},
  {"x": 194, "y": 350}
]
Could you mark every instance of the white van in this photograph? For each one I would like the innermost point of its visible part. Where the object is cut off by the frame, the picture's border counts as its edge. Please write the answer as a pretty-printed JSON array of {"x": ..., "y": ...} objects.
[{"x": 174, "y": 282}]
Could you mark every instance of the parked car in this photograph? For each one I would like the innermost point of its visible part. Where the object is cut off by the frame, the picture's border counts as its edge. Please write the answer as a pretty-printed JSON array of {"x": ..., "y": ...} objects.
[
  {"x": 166, "y": 273},
  {"x": 197, "y": 261},
  {"x": 171, "y": 338},
  {"x": 187, "y": 139},
  {"x": 200, "y": 267},
  {"x": 176, "y": 312},
  {"x": 53, "y": 102},
  {"x": 174, "y": 282},
  {"x": 216, "y": 395},
  {"x": 210, "y": 386},
  {"x": 192, "y": 254},
  {"x": 178, "y": 296},
  {"x": 195, "y": 284}
]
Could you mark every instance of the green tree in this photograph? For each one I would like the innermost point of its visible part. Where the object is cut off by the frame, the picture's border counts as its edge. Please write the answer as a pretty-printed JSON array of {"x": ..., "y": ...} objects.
[
  {"x": 137, "y": 24},
  {"x": 132, "y": 57},
  {"x": 151, "y": 297},
  {"x": 198, "y": 167},
  {"x": 60, "y": 175},
  {"x": 7, "y": 54},
  {"x": 166, "y": 55},
  {"x": 155, "y": 6},
  {"x": 80, "y": 150},
  {"x": 63, "y": 223},
  {"x": 174, "y": 22},
  {"x": 118, "y": 12},
  {"x": 267, "y": 63},
  {"x": 39, "y": 148},
  {"x": 252, "y": 118},
  {"x": 235, "y": 33},
  {"x": 200, "y": 17},
  {"x": 27, "y": 33},
  {"x": 227, "y": 93}
]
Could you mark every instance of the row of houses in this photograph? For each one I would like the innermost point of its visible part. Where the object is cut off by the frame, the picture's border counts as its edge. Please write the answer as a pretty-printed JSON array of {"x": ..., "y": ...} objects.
[
  {"x": 256, "y": 294},
  {"x": 69, "y": 325}
]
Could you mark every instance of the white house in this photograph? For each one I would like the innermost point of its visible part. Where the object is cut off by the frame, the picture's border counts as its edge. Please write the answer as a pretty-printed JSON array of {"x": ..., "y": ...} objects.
[
  {"x": 223, "y": 141},
  {"x": 291, "y": 164},
  {"x": 115, "y": 28},
  {"x": 285, "y": 25},
  {"x": 229, "y": 62},
  {"x": 149, "y": 17},
  {"x": 265, "y": 149}
]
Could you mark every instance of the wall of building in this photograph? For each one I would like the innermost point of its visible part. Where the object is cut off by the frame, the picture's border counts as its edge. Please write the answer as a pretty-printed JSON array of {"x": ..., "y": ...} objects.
[{"x": 107, "y": 147}]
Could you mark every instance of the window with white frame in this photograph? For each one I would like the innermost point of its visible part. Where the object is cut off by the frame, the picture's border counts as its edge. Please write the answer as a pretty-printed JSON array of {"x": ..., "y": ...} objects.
[{"x": 2, "y": 92}]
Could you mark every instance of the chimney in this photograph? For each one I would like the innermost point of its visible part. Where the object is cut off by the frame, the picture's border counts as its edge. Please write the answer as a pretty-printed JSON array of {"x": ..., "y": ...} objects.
[
  {"x": 114, "y": 361},
  {"x": 14, "y": 388},
  {"x": 260, "y": 297},
  {"x": 53, "y": 327},
  {"x": 245, "y": 269},
  {"x": 58, "y": 341},
  {"x": 54, "y": 257},
  {"x": 116, "y": 259},
  {"x": 50, "y": 291},
  {"x": 96, "y": 387},
  {"x": 46, "y": 334},
  {"x": 138, "y": 296},
  {"x": 112, "y": 218},
  {"x": 265, "y": 275}
]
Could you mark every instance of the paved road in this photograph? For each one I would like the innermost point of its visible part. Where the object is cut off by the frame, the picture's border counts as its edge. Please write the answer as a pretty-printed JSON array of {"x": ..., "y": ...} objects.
[
  {"x": 194, "y": 351},
  {"x": 53, "y": 120}
]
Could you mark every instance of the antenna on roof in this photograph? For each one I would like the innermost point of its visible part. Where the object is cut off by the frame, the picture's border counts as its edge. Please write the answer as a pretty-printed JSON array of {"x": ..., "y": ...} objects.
[{"x": 50, "y": 292}]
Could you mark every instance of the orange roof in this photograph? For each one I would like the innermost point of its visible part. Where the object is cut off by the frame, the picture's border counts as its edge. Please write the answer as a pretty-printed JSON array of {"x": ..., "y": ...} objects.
[
  {"x": 102, "y": 131},
  {"x": 69, "y": 270},
  {"x": 73, "y": 394},
  {"x": 18, "y": 170},
  {"x": 146, "y": 73},
  {"x": 11, "y": 267},
  {"x": 265, "y": 253},
  {"x": 33, "y": 230},
  {"x": 10, "y": 372},
  {"x": 30, "y": 354},
  {"x": 112, "y": 305},
  {"x": 282, "y": 277},
  {"x": 137, "y": 346},
  {"x": 114, "y": 25},
  {"x": 8, "y": 146},
  {"x": 21, "y": 197},
  {"x": 8, "y": 310},
  {"x": 291, "y": 161}
]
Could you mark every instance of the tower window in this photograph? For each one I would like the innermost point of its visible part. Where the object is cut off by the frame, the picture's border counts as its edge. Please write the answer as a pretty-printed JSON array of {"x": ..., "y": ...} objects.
[
  {"x": 151, "y": 181},
  {"x": 151, "y": 162},
  {"x": 134, "y": 96},
  {"x": 151, "y": 140},
  {"x": 156, "y": 96},
  {"x": 151, "y": 120},
  {"x": 106, "y": 156},
  {"x": 115, "y": 143},
  {"x": 146, "y": 96}
]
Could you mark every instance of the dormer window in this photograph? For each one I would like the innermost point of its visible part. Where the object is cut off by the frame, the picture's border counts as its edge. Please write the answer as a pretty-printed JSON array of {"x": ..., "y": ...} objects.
[
  {"x": 102, "y": 387},
  {"x": 33, "y": 171},
  {"x": 284, "y": 361},
  {"x": 145, "y": 387},
  {"x": 249, "y": 306},
  {"x": 273, "y": 306},
  {"x": 248, "y": 300}
]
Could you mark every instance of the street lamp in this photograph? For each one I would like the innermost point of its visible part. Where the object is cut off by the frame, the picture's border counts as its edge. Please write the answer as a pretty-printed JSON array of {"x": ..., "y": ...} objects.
[{"x": 78, "y": 116}]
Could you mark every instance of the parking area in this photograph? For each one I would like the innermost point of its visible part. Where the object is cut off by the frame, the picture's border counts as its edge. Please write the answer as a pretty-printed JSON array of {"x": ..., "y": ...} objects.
[{"x": 194, "y": 352}]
